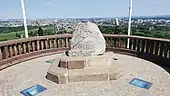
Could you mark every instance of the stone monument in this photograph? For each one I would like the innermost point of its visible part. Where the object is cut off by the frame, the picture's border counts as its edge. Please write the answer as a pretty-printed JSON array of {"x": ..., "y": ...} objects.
[
  {"x": 86, "y": 60},
  {"x": 87, "y": 40}
]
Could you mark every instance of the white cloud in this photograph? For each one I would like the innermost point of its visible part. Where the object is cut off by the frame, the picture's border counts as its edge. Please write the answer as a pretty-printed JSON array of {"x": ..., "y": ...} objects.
[
  {"x": 155, "y": 1},
  {"x": 51, "y": 1}
]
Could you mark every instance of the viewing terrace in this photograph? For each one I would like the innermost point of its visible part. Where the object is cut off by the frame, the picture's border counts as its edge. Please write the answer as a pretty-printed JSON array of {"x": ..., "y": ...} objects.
[{"x": 23, "y": 64}]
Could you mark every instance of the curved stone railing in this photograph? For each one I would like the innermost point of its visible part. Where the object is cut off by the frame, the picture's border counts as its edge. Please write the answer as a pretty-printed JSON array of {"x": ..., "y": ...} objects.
[
  {"x": 152, "y": 49},
  {"x": 15, "y": 51}
]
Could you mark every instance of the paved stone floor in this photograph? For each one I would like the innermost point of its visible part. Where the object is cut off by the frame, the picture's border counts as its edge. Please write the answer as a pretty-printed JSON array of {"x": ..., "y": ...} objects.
[{"x": 32, "y": 72}]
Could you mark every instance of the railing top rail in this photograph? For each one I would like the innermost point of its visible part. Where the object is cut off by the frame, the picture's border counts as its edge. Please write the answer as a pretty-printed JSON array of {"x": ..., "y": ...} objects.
[
  {"x": 10, "y": 42},
  {"x": 138, "y": 37}
]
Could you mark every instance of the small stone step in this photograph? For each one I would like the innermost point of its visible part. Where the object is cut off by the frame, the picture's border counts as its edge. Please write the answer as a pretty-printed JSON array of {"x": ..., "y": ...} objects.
[
  {"x": 61, "y": 75},
  {"x": 92, "y": 74},
  {"x": 56, "y": 74}
]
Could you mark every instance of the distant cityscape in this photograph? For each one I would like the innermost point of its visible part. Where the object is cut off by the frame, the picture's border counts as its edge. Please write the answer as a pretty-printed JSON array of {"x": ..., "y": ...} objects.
[
  {"x": 70, "y": 23},
  {"x": 147, "y": 26}
]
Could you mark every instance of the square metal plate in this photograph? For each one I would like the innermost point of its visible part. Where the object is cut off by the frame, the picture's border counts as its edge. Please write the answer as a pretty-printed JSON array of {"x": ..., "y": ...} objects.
[
  {"x": 141, "y": 83},
  {"x": 32, "y": 91}
]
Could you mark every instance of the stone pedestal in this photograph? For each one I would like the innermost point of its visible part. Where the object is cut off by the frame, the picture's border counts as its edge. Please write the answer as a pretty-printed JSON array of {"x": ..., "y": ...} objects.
[{"x": 76, "y": 69}]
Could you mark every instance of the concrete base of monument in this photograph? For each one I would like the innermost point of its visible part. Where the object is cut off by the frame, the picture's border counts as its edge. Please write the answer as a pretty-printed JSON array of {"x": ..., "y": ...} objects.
[{"x": 76, "y": 69}]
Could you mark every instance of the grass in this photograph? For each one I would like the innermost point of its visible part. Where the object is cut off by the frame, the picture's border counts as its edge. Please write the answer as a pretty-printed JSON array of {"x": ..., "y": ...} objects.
[{"x": 12, "y": 35}]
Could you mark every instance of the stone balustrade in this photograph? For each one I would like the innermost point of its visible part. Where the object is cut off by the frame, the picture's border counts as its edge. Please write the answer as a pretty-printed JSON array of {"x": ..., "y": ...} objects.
[{"x": 15, "y": 51}]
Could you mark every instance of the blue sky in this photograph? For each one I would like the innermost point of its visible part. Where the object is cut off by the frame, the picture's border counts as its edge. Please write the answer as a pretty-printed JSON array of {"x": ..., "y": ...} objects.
[{"x": 82, "y": 8}]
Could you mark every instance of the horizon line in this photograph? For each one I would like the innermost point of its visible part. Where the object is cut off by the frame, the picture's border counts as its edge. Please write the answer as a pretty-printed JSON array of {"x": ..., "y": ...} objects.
[{"x": 89, "y": 17}]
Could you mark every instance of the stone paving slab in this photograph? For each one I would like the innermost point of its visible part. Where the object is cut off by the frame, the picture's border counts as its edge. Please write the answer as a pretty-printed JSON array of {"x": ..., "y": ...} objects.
[{"x": 32, "y": 72}]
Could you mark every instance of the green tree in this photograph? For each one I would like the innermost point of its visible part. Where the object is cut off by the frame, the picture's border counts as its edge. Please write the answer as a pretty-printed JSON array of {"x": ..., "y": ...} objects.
[
  {"x": 18, "y": 35},
  {"x": 40, "y": 31}
]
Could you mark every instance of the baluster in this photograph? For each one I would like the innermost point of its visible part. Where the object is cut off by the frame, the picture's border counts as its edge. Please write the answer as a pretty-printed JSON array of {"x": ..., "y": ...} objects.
[
  {"x": 147, "y": 46},
  {"x": 134, "y": 44},
  {"x": 114, "y": 42},
  {"x": 161, "y": 49},
  {"x": 166, "y": 50},
  {"x": 5, "y": 52},
  {"x": 119, "y": 42},
  {"x": 157, "y": 48},
  {"x": 0, "y": 54},
  {"x": 46, "y": 44},
  {"x": 29, "y": 47},
  {"x": 169, "y": 50},
  {"x": 37, "y": 45},
  {"x": 143, "y": 46},
  {"x": 152, "y": 47},
  {"x": 33, "y": 46},
  {"x": 131, "y": 43},
  {"x": 42, "y": 44},
  {"x": 138, "y": 45},
  {"x": 10, "y": 51},
  {"x": 67, "y": 42},
  {"x": 107, "y": 42},
  {"x": 124, "y": 45},
  {"x": 19, "y": 49},
  {"x": 24, "y": 48},
  {"x": 55, "y": 43},
  {"x": 125, "y": 41},
  {"x": 59, "y": 42},
  {"x": 15, "y": 50},
  {"x": 50, "y": 44}
]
